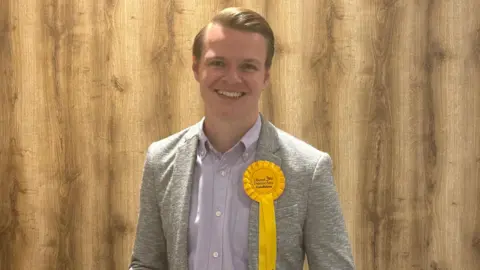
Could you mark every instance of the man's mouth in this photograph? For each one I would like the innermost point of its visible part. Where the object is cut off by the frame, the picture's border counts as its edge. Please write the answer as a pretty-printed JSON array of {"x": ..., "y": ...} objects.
[{"x": 230, "y": 94}]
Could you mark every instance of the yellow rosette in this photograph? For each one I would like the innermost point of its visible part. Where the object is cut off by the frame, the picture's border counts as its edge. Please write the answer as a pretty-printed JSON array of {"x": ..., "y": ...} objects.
[{"x": 264, "y": 182}]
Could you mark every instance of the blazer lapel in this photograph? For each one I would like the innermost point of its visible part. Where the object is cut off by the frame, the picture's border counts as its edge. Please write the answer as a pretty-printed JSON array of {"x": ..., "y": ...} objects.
[
  {"x": 181, "y": 193},
  {"x": 267, "y": 146}
]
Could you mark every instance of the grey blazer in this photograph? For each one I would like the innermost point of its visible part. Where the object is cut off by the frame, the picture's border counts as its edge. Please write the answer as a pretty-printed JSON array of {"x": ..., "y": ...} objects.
[{"x": 308, "y": 214}]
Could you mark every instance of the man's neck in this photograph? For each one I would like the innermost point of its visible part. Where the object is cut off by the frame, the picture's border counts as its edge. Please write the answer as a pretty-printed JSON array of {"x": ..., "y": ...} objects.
[{"x": 223, "y": 134}]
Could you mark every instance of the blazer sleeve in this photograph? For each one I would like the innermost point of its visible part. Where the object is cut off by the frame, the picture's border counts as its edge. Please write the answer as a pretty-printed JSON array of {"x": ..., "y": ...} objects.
[
  {"x": 326, "y": 240},
  {"x": 149, "y": 250}
]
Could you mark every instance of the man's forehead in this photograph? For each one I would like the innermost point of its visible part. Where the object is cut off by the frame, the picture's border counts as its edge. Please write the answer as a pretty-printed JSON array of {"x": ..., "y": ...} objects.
[
  {"x": 216, "y": 32},
  {"x": 226, "y": 53},
  {"x": 228, "y": 44}
]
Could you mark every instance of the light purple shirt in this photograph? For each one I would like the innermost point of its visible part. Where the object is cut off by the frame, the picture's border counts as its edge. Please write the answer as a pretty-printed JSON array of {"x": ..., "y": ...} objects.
[{"x": 218, "y": 224}]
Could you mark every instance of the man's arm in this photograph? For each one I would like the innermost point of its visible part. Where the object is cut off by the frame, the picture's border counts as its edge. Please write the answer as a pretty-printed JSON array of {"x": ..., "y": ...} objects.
[
  {"x": 326, "y": 240},
  {"x": 149, "y": 251}
]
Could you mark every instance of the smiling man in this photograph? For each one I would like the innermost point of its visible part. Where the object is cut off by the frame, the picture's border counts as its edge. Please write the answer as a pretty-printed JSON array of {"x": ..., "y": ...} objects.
[{"x": 195, "y": 211}]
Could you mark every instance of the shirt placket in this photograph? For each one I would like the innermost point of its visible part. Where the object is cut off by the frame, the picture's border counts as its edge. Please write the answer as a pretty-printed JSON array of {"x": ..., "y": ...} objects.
[{"x": 221, "y": 175}]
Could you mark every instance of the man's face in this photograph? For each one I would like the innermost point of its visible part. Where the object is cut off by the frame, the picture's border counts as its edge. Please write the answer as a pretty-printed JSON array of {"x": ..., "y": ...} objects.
[{"x": 231, "y": 72}]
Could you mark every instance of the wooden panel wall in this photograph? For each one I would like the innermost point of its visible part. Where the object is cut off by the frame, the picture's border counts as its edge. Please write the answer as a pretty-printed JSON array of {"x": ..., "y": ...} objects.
[{"x": 391, "y": 89}]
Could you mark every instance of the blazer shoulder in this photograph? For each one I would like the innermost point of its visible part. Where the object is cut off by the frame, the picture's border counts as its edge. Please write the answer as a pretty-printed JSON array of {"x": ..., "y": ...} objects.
[
  {"x": 163, "y": 150},
  {"x": 299, "y": 150}
]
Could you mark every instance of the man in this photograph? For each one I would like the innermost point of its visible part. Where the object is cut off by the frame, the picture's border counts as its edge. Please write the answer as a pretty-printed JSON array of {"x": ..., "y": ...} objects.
[{"x": 194, "y": 211}]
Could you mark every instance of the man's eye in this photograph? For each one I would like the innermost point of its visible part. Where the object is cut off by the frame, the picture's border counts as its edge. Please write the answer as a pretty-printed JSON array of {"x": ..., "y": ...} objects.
[
  {"x": 216, "y": 63},
  {"x": 249, "y": 67}
]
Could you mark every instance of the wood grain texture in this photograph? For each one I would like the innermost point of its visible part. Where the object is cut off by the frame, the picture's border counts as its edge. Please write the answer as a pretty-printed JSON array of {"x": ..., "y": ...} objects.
[
  {"x": 390, "y": 89},
  {"x": 454, "y": 73},
  {"x": 10, "y": 172}
]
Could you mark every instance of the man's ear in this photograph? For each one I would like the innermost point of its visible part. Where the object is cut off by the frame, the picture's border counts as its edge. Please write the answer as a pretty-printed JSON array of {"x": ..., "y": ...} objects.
[
  {"x": 266, "y": 81},
  {"x": 195, "y": 67}
]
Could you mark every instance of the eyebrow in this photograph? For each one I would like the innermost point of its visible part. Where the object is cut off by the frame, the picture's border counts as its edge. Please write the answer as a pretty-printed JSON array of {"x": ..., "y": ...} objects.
[{"x": 248, "y": 60}]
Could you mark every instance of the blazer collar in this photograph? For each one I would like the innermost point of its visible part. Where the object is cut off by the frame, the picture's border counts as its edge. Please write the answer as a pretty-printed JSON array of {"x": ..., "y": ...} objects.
[
  {"x": 182, "y": 178},
  {"x": 268, "y": 143}
]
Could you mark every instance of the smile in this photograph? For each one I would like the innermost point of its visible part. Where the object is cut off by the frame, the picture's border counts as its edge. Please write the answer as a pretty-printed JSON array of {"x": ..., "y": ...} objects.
[{"x": 230, "y": 94}]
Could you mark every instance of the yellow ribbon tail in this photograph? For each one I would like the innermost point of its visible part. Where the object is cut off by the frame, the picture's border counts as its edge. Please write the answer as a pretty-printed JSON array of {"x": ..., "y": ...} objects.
[{"x": 267, "y": 234}]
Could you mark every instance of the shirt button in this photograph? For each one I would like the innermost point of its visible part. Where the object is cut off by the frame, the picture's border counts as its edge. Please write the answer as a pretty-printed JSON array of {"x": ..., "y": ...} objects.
[
  {"x": 245, "y": 155},
  {"x": 223, "y": 173},
  {"x": 218, "y": 213},
  {"x": 215, "y": 254}
]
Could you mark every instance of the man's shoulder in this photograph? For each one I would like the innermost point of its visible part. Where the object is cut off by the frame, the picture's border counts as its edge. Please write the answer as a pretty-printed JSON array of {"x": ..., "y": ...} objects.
[
  {"x": 297, "y": 149},
  {"x": 169, "y": 145}
]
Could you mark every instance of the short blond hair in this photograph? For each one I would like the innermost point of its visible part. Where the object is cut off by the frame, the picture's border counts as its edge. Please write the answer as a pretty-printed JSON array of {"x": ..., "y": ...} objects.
[{"x": 241, "y": 19}]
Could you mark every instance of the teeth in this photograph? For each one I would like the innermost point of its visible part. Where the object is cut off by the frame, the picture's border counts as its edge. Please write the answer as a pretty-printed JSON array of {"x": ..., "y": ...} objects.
[{"x": 230, "y": 94}]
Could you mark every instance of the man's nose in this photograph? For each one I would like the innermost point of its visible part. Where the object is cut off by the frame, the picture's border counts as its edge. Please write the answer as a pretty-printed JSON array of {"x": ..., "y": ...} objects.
[{"x": 232, "y": 75}]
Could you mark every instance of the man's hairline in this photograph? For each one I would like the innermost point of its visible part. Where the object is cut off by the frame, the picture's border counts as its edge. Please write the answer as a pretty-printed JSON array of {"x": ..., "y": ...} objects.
[{"x": 211, "y": 24}]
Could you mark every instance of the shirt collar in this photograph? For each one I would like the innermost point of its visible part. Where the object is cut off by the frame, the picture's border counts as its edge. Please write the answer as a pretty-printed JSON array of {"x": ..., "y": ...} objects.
[{"x": 249, "y": 140}]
